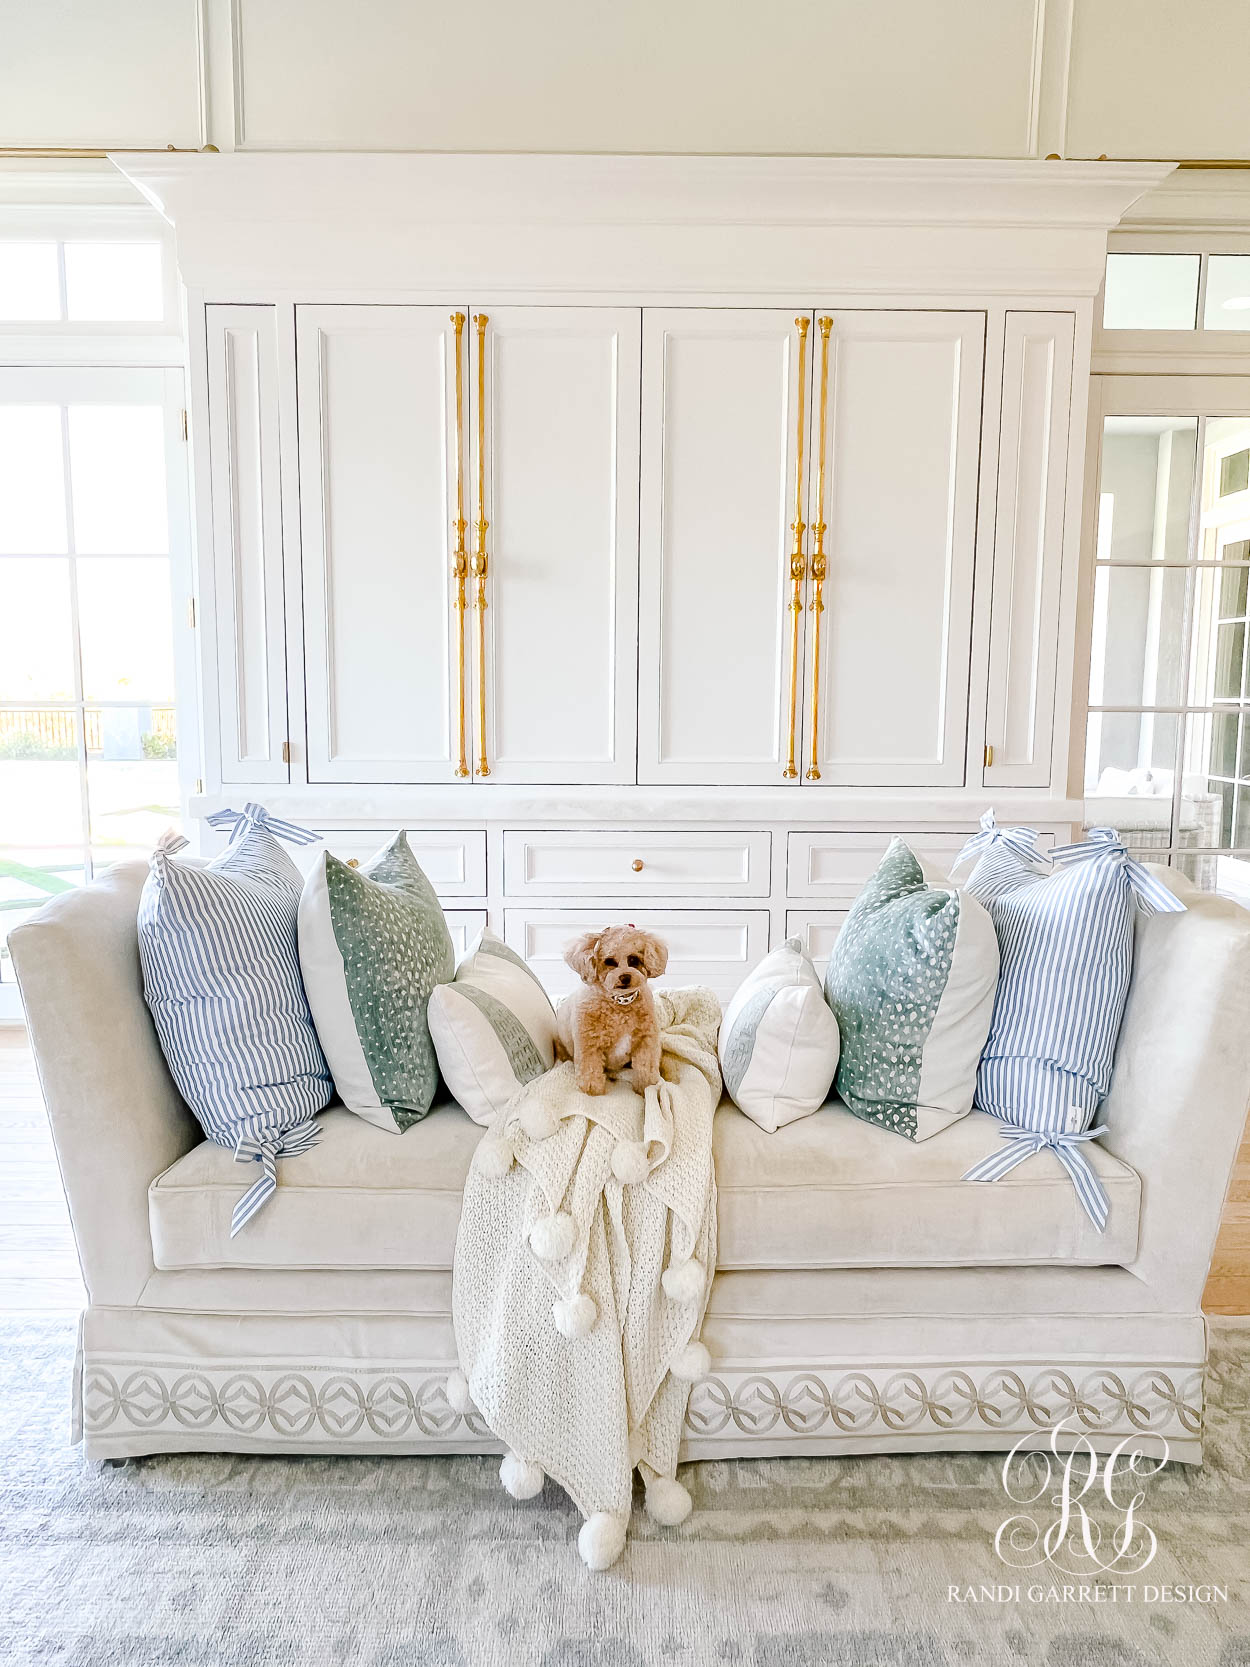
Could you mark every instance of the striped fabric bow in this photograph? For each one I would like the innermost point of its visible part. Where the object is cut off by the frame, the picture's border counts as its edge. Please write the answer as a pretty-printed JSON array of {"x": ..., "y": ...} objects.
[
  {"x": 1023, "y": 1143},
  {"x": 1023, "y": 841},
  {"x": 265, "y": 1150},
  {"x": 256, "y": 816},
  {"x": 1103, "y": 844}
]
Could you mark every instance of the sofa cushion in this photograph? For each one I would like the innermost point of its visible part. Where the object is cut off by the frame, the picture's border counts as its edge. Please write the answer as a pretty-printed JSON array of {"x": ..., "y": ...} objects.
[{"x": 828, "y": 1191}]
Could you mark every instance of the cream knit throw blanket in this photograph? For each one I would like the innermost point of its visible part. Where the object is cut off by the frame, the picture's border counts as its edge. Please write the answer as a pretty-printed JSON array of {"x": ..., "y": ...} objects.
[{"x": 583, "y": 1263}]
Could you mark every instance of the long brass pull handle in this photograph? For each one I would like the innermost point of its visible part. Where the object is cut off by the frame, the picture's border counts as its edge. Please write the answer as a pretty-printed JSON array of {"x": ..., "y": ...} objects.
[
  {"x": 480, "y": 560},
  {"x": 460, "y": 559},
  {"x": 824, "y": 325},
  {"x": 798, "y": 561}
]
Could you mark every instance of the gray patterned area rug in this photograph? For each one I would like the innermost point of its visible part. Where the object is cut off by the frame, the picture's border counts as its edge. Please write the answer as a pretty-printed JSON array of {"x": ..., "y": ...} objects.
[{"x": 210, "y": 1561}]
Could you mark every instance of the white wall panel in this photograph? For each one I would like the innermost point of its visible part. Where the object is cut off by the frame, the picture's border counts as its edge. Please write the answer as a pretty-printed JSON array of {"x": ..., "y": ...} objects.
[{"x": 100, "y": 72}]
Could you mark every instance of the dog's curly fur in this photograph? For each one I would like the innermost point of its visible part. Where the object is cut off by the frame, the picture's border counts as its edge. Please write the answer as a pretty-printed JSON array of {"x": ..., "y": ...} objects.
[{"x": 610, "y": 1022}]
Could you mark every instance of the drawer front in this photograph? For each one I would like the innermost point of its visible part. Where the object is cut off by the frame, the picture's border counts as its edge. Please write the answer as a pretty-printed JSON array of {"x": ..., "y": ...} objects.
[
  {"x": 717, "y": 947},
  {"x": 835, "y": 866},
  {"x": 641, "y": 863},
  {"x": 816, "y": 929},
  {"x": 454, "y": 860},
  {"x": 464, "y": 925}
]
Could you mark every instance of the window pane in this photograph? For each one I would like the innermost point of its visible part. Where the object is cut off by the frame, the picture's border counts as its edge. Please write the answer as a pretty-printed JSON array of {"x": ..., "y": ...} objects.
[
  {"x": 40, "y": 799},
  {"x": 1233, "y": 590},
  {"x": 1228, "y": 293},
  {"x": 1230, "y": 660},
  {"x": 1131, "y": 756},
  {"x": 36, "y": 631},
  {"x": 108, "y": 281},
  {"x": 1216, "y": 733},
  {"x": 125, "y": 627},
  {"x": 1146, "y": 488},
  {"x": 1151, "y": 292},
  {"x": 1137, "y": 653},
  {"x": 32, "y": 481},
  {"x": 132, "y": 780},
  {"x": 1209, "y": 782},
  {"x": 30, "y": 290},
  {"x": 117, "y": 463}
]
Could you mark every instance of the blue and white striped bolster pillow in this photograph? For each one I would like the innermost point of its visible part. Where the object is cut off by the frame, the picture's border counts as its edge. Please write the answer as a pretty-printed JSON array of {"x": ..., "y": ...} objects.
[
  {"x": 221, "y": 975},
  {"x": 1066, "y": 951}
]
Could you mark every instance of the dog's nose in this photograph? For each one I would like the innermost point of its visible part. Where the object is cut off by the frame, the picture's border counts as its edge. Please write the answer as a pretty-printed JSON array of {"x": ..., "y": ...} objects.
[{"x": 627, "y": 978}]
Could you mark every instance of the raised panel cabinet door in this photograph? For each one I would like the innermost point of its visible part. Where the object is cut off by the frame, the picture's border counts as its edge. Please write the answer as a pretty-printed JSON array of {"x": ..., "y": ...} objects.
[
  {"x": 377, "y": 413},
  {"x": 1028, "y": 547},
  {"x": 560, "y": 431},
  {"x": 886, "y": 700},
  {"x": 720, "y": 399},
  {"x": 247, "y": 576}
]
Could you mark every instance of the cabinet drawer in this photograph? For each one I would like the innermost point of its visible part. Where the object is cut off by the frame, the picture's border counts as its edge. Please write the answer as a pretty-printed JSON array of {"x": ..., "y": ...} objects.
[
  {"x": 454, "y": 860},
  {"x": 835, "y": 866},
  {"x": 716, "y": 947},
  {"x": 464, "y": 925},
  {"x": 816, "y": 929},
  {"x": 643, "y": 864}
]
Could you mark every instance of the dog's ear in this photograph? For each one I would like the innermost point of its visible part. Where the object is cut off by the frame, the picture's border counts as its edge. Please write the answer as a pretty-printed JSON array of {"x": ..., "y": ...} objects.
[
  {"x": 654, "y": 955},
  {"x": 580, "y": 955}
]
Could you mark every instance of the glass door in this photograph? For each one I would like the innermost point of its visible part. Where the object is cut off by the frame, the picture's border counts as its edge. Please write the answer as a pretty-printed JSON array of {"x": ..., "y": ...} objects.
[{"x": 95, "y": 637}]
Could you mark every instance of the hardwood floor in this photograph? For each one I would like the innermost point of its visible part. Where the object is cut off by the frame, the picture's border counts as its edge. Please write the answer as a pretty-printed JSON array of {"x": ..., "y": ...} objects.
[{"x": 39, "y": 1268}]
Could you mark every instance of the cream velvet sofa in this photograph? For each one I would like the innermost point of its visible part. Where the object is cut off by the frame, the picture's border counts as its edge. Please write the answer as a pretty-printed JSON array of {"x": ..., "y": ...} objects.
[{"x": 867, "y": 1299}]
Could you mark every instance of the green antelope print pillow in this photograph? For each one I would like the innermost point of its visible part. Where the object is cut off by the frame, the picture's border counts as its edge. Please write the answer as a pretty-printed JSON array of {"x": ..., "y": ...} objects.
[{"x": 911, "y": 982}]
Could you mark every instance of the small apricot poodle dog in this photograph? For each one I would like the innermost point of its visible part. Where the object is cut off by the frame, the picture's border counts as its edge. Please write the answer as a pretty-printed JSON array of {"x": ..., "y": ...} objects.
[{"x": 610, "y": 1022}]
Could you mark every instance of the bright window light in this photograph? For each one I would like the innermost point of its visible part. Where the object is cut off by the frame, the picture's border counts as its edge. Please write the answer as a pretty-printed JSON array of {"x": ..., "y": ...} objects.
[
  {"x": 30, "y": 290},
  {"x": 1228, "y": 293},
  {"x": 113, "y": 282},
  {"x": 1151, "y": 292}
]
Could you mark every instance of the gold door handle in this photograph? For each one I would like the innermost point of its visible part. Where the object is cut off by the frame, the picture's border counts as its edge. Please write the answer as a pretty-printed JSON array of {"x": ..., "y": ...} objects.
[
  {"x": 637, "y": 865},
  {"x": 798, "y": 561},
  {"x": 824, "y": 325},
  {"x": 480, "y": 561},
  {"x": 460, "y": 559}
]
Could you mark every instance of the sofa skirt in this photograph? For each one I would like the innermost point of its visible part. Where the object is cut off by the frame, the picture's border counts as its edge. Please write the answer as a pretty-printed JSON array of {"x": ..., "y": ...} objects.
[{"x": 169, "y": 1381}]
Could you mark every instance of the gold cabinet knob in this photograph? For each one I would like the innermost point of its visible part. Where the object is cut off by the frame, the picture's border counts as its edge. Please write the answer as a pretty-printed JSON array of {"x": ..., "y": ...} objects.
[
  {"x": 636, "y": 865},
  {"x": 353, "y": 862}
]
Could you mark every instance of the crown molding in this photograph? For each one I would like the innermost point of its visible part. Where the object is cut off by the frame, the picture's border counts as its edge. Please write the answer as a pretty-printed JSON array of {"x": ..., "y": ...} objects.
[{"x": 1194, "y": 200}]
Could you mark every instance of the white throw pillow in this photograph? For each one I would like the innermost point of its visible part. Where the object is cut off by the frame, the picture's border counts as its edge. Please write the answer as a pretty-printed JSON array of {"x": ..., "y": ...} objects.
[
  {"x": 494, "y": 1028},
  {"x": 779, "y": 1040}
]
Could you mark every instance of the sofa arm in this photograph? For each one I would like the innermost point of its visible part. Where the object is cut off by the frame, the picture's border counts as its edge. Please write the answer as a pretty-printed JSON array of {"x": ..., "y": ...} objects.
[
  {"x": 1179, "y": 1093},
  {"x": 117, "y": 1119}
]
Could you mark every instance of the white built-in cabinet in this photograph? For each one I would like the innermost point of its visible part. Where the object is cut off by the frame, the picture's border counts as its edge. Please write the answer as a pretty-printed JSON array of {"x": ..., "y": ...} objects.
[{"x": 672, "y": 545}]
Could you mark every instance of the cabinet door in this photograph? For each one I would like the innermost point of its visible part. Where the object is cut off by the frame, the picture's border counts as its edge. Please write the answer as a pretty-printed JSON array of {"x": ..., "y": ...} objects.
[
  {"x": 376, "y": 442},
  {"x": 719, "y": 409},
  {"x": 561, "y": 466},
  {"x": 901, "y": 464},
  {"x": 1028, "y": 546},
  {"x": 247, "y": 578}
]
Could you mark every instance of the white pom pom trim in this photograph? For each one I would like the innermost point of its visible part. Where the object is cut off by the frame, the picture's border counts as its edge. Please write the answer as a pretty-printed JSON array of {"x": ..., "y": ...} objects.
[
  {"x": 693, "y": 1363},
  {"x": 668, "y": 1503},
  {"x": 522, "y": 1478},
  {"x": 538, "y": 1121},
  {"x": 552, "y": 1237},
  {"x": 629, "y": 1162},
  {"x": 494, "y": 1156},
  {"x": 601, "y": 1540},
  {"x": 458, "y": 1397},
  {"x": 575, "y": 1316},
  {"x": 683, "y": 1281}
]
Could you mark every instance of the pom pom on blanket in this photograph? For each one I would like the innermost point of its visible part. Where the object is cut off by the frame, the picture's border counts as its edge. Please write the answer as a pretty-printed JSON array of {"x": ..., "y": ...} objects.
[
  {"x": 683, "y": 1281},
  {"x": 553, "y": 1237},
  {"x": 458, "y": 1397},
  {"x": 668, "y": 1503},
  {"x": 494, "y": 1156},
  {"x": 601, "y": 1540},
  {"x": 575, "y": 1317},
  {"x": 522, "y": 1478},
  {"x": 538, "y": 1120},
  {"x": 629, "y": 1162},
  {"x": 693, "y": 1363}
]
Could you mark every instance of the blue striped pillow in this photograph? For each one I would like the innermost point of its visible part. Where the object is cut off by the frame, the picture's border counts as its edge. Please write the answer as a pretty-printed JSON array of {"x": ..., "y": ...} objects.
[
  {"x": 221, "y": 975},
  {"x": 1065, "y": 944}
]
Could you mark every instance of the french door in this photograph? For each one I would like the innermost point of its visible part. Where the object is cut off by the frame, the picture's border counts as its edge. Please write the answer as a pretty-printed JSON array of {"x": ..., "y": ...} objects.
[{"x": 96, "y": 656}]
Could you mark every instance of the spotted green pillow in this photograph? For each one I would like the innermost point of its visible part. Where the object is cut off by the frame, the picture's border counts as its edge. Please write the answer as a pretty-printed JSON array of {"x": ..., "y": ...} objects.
[
  {"x": 911, "y": 982},
  {"x": 373, "y": 943}
]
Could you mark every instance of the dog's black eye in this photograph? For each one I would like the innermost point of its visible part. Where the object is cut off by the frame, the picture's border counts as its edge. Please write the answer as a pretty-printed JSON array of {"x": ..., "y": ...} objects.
[
  {"x": 634, "y": 961},
  {"x": 609, "y": 962}
]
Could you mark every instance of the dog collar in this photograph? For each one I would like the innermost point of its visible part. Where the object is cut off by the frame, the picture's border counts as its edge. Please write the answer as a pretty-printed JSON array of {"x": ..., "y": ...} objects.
[{"x": 624, "y": 1001}]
